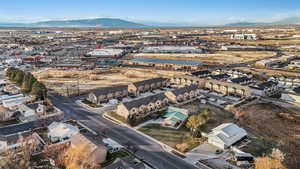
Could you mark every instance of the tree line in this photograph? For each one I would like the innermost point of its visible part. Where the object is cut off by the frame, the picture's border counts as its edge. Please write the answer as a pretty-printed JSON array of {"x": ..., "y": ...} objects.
[{"x": 27, "y": 82}]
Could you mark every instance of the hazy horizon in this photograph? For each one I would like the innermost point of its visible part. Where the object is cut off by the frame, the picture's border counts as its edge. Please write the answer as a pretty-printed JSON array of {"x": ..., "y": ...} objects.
[{"x": 159, "y": 11}]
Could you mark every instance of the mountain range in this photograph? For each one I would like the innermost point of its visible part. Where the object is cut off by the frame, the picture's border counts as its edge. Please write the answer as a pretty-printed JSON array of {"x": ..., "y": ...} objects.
[
  {"x": 98, "y": 22},
  {"x": 286, "y": 21},
  {"x": 120, "y": 23}
]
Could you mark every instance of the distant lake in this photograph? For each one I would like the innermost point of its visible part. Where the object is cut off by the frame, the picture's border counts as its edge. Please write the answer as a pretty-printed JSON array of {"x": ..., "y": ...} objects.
[{"x": 169, "y": 61}]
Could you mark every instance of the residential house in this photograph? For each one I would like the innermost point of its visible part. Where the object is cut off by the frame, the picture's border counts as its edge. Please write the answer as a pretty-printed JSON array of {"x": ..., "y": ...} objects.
[
  {"x": 97, "y": 151},
  {"x": 147, "y": 85},
  {"x": 183, "y": 94},
  {"x": 58, "y": 132},
  {"x": 129, "y": 162},
  {"x": 202, "y": 73},
  {"x": 15, "y": 141},
  {"x": 242, "y": 80},
  {"x": 105, "y": 94},
  {"x": 286, "y": 81},
  {"x": 112, "y": 145},
  {"x": 2, "y": 84},
  {"x": 12, "y": 89},
  {"x": 220, "y": 76},
  {"x": 226, "y": 88},
  {"x": 226, "y": 135},
  {"x": 31, "y": 112},
  {"x": 143, "y": 106},
  {"x": 266, "y": 89},
  {"x": 5, "y": 114},
  {"x": 7, "y": 97},
  {"x": 13, "y": 104},
  {"x": 295, "y": 64}
]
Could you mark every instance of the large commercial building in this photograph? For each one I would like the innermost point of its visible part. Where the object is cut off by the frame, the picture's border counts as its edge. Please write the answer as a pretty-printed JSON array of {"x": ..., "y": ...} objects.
[
  {"x": 172, "y": 49},
  {"x": 106, "y": 53},
  {"x": 244, "y": 36}
]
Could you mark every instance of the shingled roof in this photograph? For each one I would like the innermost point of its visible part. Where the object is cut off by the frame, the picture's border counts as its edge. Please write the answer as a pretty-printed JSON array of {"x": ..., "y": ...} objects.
[
  {"x": 149, "y": 81},
  {"x": 240, "y": 79},
  {"x": 201, "y": 72},
  {"x": 107, "y": 90},
  {"x": 267, "y": 84},
  {"x": 14, "y": 138},
  {"x": 183, "y": 90},
  {"x": 220, "y": 76},
  {"x": 144, "y": 101}
]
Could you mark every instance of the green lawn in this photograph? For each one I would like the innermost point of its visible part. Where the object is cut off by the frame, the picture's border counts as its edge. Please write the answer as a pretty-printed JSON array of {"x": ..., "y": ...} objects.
[
  {"x": 9, "y": 122},
  {"x": 171, "y": 136},
  {"x": 91, "y": 104},
  {"x": 117, "y": 117},
  {"x": 112, "y": 157}
]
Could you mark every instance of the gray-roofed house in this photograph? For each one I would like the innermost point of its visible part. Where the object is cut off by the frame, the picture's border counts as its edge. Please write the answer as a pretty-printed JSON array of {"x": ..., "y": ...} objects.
[
  {"x": 202, "y": 73},
  {"x": 31, "y": 112},
  {"x": 242, "y": 80},
  {"x": 183, "y": 94},
  {"x": 268, "y": 89},
  {"x": 105, "y": 94},
  {"x": 226, "y": 135},
  {"x": 147, "y": 85},
  {"x": 220, "y": 76},
  {"x": 143, "y": 106}
]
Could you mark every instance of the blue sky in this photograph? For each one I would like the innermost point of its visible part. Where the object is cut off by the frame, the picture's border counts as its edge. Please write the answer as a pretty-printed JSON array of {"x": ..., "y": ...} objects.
[{"x": 183, "y": 11}]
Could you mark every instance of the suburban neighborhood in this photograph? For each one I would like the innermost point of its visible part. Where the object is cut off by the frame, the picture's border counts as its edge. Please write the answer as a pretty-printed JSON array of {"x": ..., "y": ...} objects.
[{"x": 79, "y": 95}]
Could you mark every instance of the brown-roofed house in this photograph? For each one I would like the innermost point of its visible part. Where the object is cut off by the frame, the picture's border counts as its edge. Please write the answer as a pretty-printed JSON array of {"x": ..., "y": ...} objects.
[{"x": 147, "y": 85}]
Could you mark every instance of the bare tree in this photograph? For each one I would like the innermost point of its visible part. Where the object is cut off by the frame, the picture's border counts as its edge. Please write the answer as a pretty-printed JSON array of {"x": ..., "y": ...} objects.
[{"x": 19, "y": 158}]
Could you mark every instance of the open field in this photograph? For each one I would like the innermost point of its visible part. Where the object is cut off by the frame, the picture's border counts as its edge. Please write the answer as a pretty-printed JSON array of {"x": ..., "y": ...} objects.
[
  {"x": 62, "y": 80},
  {"x": 272, "y": 42},
  {"x": 227, "y": 57},
  {"x": 273, "y": 125}
]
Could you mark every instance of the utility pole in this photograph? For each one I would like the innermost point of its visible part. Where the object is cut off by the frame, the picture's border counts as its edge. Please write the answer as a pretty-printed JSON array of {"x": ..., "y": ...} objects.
[{"x": 78, "y": 88}]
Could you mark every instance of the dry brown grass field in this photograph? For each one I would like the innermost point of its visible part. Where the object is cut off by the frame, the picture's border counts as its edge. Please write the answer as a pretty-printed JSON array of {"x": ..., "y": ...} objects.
[
  {"x": 59, "y": 80},
  {"x": 226, "y": 57},
  {"x": 278, "y": 125}
]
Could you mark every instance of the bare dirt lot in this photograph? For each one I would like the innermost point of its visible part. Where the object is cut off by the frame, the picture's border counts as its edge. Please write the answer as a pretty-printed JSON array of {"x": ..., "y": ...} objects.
[
  {"x": 273, "y": 126},
  {"x": 68, "y": 80},
  {"x": 227, "y": 57}
]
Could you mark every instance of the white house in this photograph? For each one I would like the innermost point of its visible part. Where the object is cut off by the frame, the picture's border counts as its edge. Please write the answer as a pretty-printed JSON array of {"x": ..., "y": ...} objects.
[
  {"x": 58, "y": 132},
  {"x": 14, "y": 103},
  {"x": 31, "y": 112},
  {"x": 226, "y": 135},
  {"x": 112, "y": 145},
  {"x": 7, "y": 97}
]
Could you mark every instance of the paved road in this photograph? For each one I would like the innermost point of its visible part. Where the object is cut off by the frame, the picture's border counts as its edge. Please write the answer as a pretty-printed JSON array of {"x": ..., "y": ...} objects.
[{"x": 152, "y": 152}]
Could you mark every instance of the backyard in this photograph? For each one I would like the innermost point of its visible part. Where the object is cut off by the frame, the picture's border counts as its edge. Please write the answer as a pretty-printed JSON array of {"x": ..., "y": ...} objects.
[
  {"x": 181, "y": 139},
  {"x": 174, "y": 138}
]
